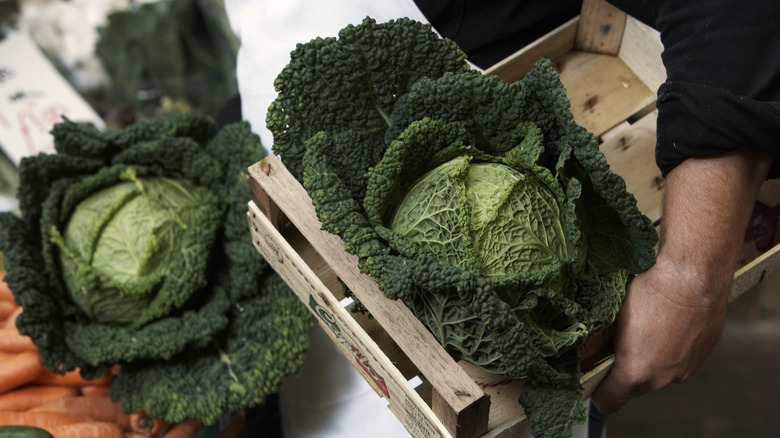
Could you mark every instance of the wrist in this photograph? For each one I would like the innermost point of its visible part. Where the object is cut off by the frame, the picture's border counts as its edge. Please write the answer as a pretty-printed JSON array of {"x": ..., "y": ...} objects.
[
  {"x": 707, "y": 206},
  {"x": 692, "y": 284}
]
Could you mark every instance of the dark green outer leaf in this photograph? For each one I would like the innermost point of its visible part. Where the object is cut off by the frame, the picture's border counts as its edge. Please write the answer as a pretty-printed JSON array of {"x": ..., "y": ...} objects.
[
  {"x": 353, "y": 82},
  {"x": 331, "y": 193},
  {"x": 266, "y": 340},
  {"x": 32, "y": 290}
]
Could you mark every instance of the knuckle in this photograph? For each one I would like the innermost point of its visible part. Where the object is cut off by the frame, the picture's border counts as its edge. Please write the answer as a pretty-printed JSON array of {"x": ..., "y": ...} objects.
[{"x": 641, "y": 379}]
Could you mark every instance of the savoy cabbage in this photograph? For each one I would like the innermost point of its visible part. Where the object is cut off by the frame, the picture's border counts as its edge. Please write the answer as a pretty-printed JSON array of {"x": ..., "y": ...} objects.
[
  {"x": 132, "y": 249},
  {"x": 481, "y": 204}
]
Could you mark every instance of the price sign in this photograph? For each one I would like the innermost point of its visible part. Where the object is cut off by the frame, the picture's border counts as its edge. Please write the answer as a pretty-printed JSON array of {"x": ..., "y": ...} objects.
[{"x": 34, "y": 97}]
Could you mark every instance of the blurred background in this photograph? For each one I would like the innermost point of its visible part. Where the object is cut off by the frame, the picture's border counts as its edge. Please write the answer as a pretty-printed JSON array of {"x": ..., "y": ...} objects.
[
  {"x": 133, "y": 59},
  {"x": 127, "y": 59}
]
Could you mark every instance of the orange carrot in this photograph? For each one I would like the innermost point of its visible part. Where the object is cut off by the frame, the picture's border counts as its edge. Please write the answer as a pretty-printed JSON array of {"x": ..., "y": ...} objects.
[
  {"x": 19, "y": 369},
  {"x": 90, "y": 429},
  {"x": 145, "y": 424},
  {"x": 5, "y": 291},
  {"x": 44, "y": 420},
  {"x": 99, "y": 408},
  {"x": 10, "y": 320},
  {"x": 94, "y": 390},
  {"x": 28, "y": 397},
  {"x": 71, "y": 378},
  {"x": 12, "y": 341},
  {"x": 7, "y": 308},
  {"x": 185, "y": 429}
]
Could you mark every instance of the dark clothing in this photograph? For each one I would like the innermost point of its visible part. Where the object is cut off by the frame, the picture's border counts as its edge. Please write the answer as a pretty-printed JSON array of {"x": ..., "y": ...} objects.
[
  {"x": 722, "y": 59},
  {"x": 722, "y": 91},
  {"x": 490, "y": 30}
]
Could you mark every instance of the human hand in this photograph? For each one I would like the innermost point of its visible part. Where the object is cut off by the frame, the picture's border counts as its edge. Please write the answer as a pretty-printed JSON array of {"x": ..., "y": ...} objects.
[
  {"x": 665, "y": 330},
  {"x": 673, "y": 314}
]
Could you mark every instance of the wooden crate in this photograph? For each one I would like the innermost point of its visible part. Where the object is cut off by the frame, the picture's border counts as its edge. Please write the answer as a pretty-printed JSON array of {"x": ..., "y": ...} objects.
[{"x": 611, "y": 66}]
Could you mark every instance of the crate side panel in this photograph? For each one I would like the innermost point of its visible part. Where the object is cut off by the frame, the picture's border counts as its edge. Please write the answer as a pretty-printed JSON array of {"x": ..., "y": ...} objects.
[
  {"x": 361, "y": 351},
  {"x": 641, "y": 51},
  {"x": 752, "y": 273},
  {"x": 504, "y": 394}
]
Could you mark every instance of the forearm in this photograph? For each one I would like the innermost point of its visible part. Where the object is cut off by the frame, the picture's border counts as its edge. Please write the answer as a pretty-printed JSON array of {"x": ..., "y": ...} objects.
[
  {"x": 673, "y": 314},
  {"x": 707, "y": 206}
]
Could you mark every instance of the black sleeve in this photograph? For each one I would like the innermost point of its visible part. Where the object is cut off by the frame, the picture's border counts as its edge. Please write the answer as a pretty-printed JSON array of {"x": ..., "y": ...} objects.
[
  {"x": 490, "y": 30},
  {"x": 722, "y": 60}
]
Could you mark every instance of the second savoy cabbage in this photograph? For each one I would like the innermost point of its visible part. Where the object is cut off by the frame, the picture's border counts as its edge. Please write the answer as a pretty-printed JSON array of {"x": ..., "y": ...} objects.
[
  {"x": 481, "y": 204},
  {"x": 132, "y": 249}
]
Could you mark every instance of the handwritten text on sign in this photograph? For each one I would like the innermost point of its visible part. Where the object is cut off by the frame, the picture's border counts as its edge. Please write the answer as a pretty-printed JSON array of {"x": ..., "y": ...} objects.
[{"x": 33, "y": 97}]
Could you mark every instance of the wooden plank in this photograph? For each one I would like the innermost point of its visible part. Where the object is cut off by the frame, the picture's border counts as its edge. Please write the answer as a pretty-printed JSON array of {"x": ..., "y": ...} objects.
[
  {"x": 504, "y": 394},
  {"x": 600, "y": 29},
  {"x": 551, "y": 46},
  {"x": 770, "y": 192},
  {"x": 265, "y": 203},
  {"x": 641, "y": 52},
  {"x": 630, "y": 152},
  {"x": 459, "y": 395},
  {"x": 751, "y": 274},
  {"x": 361, "y": 351},
  {"x": 603, "y": 91}
]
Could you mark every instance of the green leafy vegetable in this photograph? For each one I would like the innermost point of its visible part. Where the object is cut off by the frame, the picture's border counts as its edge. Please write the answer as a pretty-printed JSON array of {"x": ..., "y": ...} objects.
[
  {"x": 132, "y": 249},
  {"x": 181, "y": 49},
  {"x": 481, "y": 204}
]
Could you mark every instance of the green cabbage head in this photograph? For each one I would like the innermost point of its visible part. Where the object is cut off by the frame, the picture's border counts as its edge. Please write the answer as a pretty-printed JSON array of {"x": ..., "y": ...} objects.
[
  {"x": 126, "y": 250},
  {"x": 484, "y": 217}
]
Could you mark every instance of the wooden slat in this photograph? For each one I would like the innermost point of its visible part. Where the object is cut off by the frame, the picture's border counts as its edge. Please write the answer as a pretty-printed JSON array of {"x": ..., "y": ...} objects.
[
  {"x": 630, "y": 152},
  {"x": 641, "y": 51},
  {"x": 552, "y": 46},
  {"x": 504, "y": 394},
  {"x": 459, "y": 395},
  {"x": 600, "y": 28},
  {"x": 603, "y": 91},
  {"x": 751, "y": 274}
]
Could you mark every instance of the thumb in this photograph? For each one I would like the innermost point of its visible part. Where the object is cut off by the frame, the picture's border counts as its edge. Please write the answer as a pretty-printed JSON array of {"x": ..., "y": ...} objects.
[{"x": 616, "y": 390}]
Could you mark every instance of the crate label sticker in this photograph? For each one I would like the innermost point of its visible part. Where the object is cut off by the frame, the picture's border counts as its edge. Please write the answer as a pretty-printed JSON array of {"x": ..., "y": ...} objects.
[
  {"x": 33, "y": 98},
  {"x": 350, "y": 343},
  {"x": 369, "y": 370}
]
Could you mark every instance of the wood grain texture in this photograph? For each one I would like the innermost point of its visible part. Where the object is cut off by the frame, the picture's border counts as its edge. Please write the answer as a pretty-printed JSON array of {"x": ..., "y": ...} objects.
[{"x": 600, "y": 29}]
